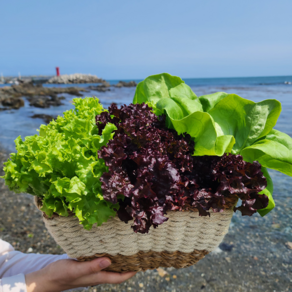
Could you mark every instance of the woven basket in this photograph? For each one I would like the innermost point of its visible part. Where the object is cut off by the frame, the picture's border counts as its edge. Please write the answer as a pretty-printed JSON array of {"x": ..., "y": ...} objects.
[{"x": 179, "y": 242}]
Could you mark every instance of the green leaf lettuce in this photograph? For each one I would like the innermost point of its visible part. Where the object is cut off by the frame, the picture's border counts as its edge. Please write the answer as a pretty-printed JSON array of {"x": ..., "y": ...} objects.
[{"x": 61, "y": 166}]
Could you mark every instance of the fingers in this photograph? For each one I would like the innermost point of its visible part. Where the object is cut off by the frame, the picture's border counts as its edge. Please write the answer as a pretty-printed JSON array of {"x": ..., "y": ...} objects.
[
  {"x": 106, "y": 278},
  {"x": 80, "y": 269},
  {"x": 115, "y": 278},
  {"x": 68, "y": 274}
]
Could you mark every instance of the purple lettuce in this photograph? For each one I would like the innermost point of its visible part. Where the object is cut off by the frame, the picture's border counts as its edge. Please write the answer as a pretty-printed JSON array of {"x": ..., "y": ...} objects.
[{"x": 152, "y": 171}]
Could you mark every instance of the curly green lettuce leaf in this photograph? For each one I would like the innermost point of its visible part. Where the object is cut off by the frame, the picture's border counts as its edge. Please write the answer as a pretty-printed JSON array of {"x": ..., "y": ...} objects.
[{"x": 61, "y": 165}]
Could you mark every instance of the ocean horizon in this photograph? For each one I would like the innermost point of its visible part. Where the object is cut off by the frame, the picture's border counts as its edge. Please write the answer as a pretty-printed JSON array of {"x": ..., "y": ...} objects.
[
  {"x": 202, "y": 81},
  {"x": 251, "y": 80}
]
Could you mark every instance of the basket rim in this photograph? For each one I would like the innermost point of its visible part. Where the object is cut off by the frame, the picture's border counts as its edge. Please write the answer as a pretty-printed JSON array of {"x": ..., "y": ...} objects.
[{"x": 230, "y": 204}]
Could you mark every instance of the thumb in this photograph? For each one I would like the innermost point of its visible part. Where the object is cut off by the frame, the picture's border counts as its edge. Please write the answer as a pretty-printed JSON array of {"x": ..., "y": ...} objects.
[{"x": 91, "y": 267}]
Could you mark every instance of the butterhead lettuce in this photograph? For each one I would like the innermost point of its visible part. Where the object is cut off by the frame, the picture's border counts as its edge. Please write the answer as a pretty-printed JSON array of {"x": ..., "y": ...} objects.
[{"x": 221, "y": 123}]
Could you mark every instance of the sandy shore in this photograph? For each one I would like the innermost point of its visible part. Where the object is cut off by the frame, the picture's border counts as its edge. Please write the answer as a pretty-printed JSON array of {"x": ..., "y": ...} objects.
[{"x": 254, "y": 257}]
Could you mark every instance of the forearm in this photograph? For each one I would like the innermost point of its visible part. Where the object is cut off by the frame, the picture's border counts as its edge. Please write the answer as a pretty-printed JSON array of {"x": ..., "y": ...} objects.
[
  {"x": 41, "y": 281},
  {"x": 46, "y": 280},
  {"x": 46, "y": 273},
  {"x": 14, "y": 265},
  {"x": 19, "y": 263},
  {"x": 34, "y": 282}
]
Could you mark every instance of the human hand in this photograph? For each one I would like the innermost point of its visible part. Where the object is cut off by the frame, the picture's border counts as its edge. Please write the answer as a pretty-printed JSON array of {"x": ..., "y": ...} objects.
[{"x": 68, "y": 274}]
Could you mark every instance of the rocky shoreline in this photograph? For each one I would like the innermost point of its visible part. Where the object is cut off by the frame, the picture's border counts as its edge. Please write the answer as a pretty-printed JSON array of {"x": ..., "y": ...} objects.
[
  {"x": 11, "y": 97},
  {"x": 75, "y": 79}
]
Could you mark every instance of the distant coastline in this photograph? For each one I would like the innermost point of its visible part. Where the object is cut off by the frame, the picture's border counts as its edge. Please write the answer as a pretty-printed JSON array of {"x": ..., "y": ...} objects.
[
  {"x": 258, "y": 80},
  {"x": 75, "y": 78}
]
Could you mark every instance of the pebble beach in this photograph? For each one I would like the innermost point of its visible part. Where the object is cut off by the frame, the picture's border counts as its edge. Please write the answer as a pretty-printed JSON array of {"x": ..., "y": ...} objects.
[{"x": 256, "y": 253}]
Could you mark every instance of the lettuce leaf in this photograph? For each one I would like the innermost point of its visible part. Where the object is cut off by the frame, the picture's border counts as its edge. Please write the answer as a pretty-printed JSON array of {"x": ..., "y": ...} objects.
[
  {"x": 268, "y": 191},
  {"x": 273, "y": 151},
  {"x": 208, "y": 101},
  {"x": 184, "y": 113},
  {"x": 165, "y": 86},
  {"x": 244, "y": 119},
  {"x": 207, "y": 136},
  {"x": 61, "y": 165}
]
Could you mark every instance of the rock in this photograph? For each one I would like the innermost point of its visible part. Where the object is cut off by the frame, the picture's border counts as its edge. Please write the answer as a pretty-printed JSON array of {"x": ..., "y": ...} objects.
[
  {"x": 289, "y": 245},
  {"x": 7, "y": 88},
  {"x": 161, "y": 272},
  {"x": 14, "y": 103},
  {"x": 72, "y": 91},
  {"x": 225, "y": 246},
  {"x": 118, "y": 85},
  {"x": 216, "y": 250},
  {"x": 100, "y": 88},
  {"x": 38, "y": 95},
  {"x": 126, "y": 84},
  {"x": 44, "y": 101},
  {"x": 228, "y": 259},
  {"x": 13, "y": 81},
  {"x": 39, "y": 101},
  {"x": 106, "y": 84},
  {"x": 75, "y": 78},
  {"x": 46, "y": 118},
  {"x": 25, "y": 81}
]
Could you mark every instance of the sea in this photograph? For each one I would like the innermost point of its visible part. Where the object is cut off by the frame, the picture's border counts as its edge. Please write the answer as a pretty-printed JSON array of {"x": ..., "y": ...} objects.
[{"x": 14, "y": 123}]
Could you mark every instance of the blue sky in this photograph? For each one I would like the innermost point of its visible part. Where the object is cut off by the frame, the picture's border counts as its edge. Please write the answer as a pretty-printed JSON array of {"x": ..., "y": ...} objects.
[{"x": 132, "y": 39}]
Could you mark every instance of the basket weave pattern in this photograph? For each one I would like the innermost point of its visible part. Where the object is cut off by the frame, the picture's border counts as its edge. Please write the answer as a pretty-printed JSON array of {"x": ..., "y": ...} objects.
[
  {"x": 179, "y": 242},
  {"x": 143, "y": 261}
]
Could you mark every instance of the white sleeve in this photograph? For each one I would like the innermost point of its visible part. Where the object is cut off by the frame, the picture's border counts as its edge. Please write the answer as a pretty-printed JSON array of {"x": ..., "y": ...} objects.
[
  {"x": 13, "y": 284},
  {"x": 14, "y": 265}
]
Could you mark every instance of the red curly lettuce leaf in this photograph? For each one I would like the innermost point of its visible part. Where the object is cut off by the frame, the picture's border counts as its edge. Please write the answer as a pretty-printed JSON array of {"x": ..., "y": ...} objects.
[{"x": 152, "y": 171}]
